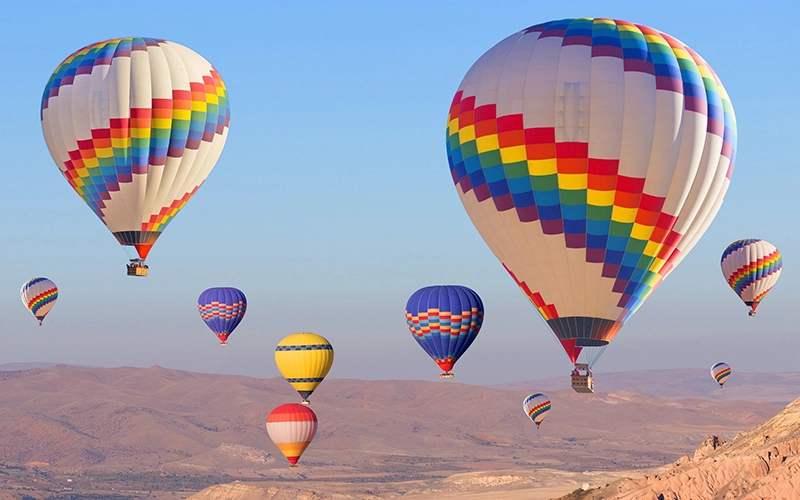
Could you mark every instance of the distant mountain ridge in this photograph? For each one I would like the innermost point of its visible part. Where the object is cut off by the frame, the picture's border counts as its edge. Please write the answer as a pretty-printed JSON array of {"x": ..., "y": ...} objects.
[
  {"x": 10, "y": 367},
  {"x": 778, "y": 388}
]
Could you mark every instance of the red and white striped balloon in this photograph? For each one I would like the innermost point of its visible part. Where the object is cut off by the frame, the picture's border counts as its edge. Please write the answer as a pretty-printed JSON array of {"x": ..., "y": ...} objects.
[{"x": 292, "y": 427}]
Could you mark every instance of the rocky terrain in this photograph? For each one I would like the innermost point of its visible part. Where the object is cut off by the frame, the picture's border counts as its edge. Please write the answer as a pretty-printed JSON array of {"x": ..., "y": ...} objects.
[{"x": 762, "y": 463}]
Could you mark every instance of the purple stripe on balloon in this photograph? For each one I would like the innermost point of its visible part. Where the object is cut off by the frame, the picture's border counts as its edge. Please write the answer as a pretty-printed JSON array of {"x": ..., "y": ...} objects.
[
  {"x": 575, "y": 240},
  {"x": 554, "y": 33},
  {"x": 727, "y": 149},
  {"x": 595, "y": 254},
  {"x": 140, "y": 169},
  {"x": 577, "y": 40},
  {"x": 695, "y": 104},
  {"x": 482, "y": 192},
  {"x": 640, "y": 66},
  {"x": 528, "y": 214},
  {"x": 607, "y": 51},
  {"x": 669, "y": 83},
  {"x": 610, "y": 270},
  {"x": 552, "y": 226},
  {"x": 716, "y": 127},
  {"x": 466, "y": 185},
  {"x": 504, "y": 202}
]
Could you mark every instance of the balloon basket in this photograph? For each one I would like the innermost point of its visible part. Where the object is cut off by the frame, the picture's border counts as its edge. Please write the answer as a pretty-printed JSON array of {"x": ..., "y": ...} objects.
[
  {"x": 751, "y": 313},
  {"x": 137, "y": 267},
  {"x": 582, "y": 380},
  {"x": 305, "y": 402},
  {"x": 583, "y": 383},
  {"x": 292, "y": 466},
  {"x": 446, "y": 375},
  {"x": 223, "y": 343}
]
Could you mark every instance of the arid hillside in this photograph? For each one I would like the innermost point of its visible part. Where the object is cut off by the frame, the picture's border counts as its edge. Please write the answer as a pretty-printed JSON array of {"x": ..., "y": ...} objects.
[
  {"x": 761, "y": 463},
  {"x": 163, "y": 429}
]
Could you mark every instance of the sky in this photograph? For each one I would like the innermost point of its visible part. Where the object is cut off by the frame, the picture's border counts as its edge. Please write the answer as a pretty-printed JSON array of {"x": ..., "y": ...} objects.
[{"x": 333, "y": 202}]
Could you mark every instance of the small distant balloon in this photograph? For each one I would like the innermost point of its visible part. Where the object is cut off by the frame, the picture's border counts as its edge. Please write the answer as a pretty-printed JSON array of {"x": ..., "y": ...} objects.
[
  {"x": 751, "y": 268},
  {"x": 222, "y": 309},
  {"x": 304, "y": 359},
  {"x": 444, "y": 320},
  {"x": 536, "y": 407},
  {"x": 292, "y": 427},
  {"x": 720, "y": 372},
  {"x": 39, "y": 296}
]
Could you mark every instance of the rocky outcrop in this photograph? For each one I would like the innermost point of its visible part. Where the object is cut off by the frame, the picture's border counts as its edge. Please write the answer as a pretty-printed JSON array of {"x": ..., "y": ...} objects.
[{"x": 762, "y": 463}]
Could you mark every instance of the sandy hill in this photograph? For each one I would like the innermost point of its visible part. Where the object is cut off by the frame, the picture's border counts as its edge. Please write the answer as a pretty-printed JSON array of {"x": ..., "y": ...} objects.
[
  {"x": 141, "y": 427},
  {"x": 143, "y": 418},
  {"x": 762, "y": 463}
]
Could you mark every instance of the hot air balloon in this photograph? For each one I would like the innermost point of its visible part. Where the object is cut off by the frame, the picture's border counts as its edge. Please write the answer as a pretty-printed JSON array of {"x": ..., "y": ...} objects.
[
  {"x": 751, "y": 268},
  {"x": 39, "y": 296},
  {"x": 591, "y": 155},
  {"x": 292, "y": 428},
  {"x": 304, "y": 359},
  {"x": 135, "y": 125},
  {"x": 444, "y": 320},
  {"x": 720, "y": 372},
  {"x": 222, "y": 309},
  {"x": 536, "y": 407}
]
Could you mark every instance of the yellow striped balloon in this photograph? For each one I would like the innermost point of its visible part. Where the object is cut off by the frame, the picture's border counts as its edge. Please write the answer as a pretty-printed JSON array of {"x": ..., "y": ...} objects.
[{"x": 304, "y": 359}]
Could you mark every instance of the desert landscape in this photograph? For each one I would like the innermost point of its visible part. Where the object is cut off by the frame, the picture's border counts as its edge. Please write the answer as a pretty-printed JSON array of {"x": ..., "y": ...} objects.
[{"x": 124, "y": 433}]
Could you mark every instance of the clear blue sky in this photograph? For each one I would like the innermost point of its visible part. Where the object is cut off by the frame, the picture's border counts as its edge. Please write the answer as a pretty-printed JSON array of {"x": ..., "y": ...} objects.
[{"x": 333, "y": 202}]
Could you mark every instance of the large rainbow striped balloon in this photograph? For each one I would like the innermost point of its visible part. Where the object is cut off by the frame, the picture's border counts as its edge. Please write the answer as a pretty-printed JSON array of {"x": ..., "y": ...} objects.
[
  {"x": 39, "y": 296},
  {"x": 135, "y": 125},
  {"x": 591, "y": 155},
  {"x": 292, "y": 427},
  {"x": 751, "y": 268}
]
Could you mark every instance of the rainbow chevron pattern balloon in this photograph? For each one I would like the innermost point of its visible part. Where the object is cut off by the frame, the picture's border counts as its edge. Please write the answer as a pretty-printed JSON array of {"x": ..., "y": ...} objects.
[
  {"x": 591, "y": 155},
  {"x": 751, "y": 268},
  {"x": 39, "y": 296},
  {"x": 536, "y": 407},
  {"x": 720, "y": 372},
  {"x": 135, "y": 125}
]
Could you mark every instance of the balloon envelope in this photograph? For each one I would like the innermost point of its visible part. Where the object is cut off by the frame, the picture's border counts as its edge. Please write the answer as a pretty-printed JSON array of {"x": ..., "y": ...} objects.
[
  {"x": 444, "y": 320},
  {"x": 751, "y": 268},
  {"x": 536, "y": 407},
  {"x": 222, "y": 309},
  {"x": 39, "y": 296},
  {"x": 591, "y": 155},
  {"x": 720, "y": 372},
  {"x": 135, "y": 125},
  {"x": 292, "y": 427},
  {"x": 304, "y": 359}
]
